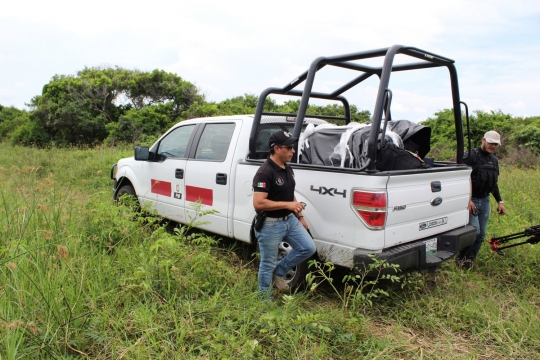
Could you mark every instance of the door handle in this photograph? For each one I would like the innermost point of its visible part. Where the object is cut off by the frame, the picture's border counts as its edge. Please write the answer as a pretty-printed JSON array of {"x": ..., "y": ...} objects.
[
  {"x": 221, "y": 179},
  {"x": 179, "y": 173}
]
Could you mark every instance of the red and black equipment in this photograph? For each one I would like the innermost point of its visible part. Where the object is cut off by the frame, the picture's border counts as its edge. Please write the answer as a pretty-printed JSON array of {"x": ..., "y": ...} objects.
[{"x": 533, "y": 232}]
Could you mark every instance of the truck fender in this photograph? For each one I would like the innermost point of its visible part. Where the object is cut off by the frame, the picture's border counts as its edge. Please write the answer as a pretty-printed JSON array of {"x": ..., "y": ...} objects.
[{"x": 124, "y": 176}]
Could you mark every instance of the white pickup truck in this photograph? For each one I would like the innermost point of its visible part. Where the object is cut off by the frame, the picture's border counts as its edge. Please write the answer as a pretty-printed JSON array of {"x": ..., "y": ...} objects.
[{"x": 416, "y": 216}]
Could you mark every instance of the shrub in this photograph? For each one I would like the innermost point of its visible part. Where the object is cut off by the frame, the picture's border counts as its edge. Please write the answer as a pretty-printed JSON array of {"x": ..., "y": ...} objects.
[
  {"x": 522, "y": 157},
  {"x": 30, "y": 133},
  {"x": 135, "y": 125},
  {"x": 10, "y": 119}
]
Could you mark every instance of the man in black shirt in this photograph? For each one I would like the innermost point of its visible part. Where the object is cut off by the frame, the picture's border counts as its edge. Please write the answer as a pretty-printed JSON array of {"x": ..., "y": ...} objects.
[
  {"x": 273, "y": 186},
  {"x": 484, "y": 179}
]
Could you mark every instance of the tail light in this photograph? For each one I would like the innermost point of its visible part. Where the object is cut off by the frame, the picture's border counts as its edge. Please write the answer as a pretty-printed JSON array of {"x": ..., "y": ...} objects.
[{"x": 371, "y": 206}]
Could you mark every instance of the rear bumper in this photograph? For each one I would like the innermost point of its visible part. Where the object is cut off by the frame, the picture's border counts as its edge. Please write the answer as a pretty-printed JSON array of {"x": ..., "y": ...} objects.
[{"x": 412, "y": 256}]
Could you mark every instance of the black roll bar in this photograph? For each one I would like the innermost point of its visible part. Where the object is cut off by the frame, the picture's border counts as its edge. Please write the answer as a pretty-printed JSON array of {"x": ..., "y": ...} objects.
[
  {"x": 468, "y": 125},
  {"x": 456, "y": 103},
  {"x": 429, "y": 60},
  {"x": 379, "y": 104},
  {"x": 273, "y": 90}
]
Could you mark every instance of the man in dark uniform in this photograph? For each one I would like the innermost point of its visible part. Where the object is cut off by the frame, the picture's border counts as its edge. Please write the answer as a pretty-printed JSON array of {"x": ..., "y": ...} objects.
[
  {"x": 273, "y": 186},
  {"x": 484, "y": 179}
]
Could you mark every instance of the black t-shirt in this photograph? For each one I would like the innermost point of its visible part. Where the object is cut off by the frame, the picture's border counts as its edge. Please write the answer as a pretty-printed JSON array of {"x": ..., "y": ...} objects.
[{"x": 277, "y": 182}]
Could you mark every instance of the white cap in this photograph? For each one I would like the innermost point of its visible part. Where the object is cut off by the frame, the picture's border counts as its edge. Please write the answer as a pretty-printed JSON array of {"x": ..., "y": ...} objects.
[{"x": 493, "y": 137}]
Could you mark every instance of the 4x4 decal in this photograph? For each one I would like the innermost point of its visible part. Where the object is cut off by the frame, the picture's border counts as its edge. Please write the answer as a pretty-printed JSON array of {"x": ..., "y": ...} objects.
[{"x": 330, "y": 191}]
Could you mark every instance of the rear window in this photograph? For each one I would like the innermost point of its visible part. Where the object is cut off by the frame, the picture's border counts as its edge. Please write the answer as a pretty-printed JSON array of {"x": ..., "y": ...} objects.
[{"x": 271, "y": 124}]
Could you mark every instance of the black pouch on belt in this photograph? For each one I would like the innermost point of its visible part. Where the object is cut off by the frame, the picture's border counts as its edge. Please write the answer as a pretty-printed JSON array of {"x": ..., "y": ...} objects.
[{"x": 259, "y": 220}]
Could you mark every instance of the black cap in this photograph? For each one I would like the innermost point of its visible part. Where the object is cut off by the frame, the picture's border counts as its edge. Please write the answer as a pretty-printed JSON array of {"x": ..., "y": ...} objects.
[{"x": 281, "y": 138}]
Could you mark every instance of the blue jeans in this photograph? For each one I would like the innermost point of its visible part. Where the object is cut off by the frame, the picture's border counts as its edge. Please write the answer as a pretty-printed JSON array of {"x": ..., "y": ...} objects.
[
  {"x": 479, "y": 221},
  {"x": 271, "y": 235}
]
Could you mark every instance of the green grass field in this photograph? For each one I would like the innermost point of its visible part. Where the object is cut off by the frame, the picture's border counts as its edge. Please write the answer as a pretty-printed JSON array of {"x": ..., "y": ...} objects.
[{"x": 80, "y": 277}]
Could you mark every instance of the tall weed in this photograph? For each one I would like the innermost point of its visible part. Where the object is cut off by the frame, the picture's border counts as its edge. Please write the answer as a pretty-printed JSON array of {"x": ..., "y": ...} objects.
[
  {"x": 80, "y": 277},
  {"x": 359, "y": 288}
]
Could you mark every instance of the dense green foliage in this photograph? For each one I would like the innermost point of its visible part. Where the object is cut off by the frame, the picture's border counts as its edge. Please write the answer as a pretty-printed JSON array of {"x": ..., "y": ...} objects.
[
  {"x": 116, "y": 105},
  {"x": 91, "y": 106},
  {"x": 520, "y": 136},
  {"x": 81, "y": 277},
  {"x": 119, "y": 106},
  {"x": 248, "y": 103},
  {"x": 11, "y": 118}
]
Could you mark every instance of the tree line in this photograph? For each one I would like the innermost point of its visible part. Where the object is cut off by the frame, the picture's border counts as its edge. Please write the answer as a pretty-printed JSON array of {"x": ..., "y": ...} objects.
[
  {"x": 116, "y": 105},
  {"x": 520, "y": 136}
]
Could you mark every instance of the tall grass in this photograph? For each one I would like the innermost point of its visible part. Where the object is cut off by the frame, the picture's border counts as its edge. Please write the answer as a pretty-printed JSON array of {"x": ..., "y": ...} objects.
[{"x": 80, "y": 277}]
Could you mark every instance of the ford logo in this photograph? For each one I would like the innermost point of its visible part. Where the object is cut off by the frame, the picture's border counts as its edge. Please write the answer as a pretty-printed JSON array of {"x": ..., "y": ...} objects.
[{"x": 436, "y": 202}]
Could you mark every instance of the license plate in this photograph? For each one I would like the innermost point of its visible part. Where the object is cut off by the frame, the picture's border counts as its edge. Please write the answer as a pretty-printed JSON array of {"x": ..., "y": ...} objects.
[
  {"x": 431, "y": 246},
  {"x": 432, "y": 223}
]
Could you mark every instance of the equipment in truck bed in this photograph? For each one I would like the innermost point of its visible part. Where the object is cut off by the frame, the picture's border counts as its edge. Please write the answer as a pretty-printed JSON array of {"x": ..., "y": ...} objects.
[{"x": 405, "y": 145}]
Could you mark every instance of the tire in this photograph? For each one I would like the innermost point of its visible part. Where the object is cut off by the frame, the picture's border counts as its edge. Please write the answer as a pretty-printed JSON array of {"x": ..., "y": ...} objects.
[
  {"x": 130, "y": 191},
  {"x": 296, "y": 277}
]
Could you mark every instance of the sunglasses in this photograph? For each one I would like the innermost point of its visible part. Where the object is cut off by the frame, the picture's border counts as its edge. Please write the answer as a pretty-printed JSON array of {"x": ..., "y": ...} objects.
[{"x": 288, "y": 147}]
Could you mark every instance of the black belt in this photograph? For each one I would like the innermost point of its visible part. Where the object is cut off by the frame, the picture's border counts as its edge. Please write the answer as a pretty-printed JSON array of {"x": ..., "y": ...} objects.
[{"x": 268, "y": 218}]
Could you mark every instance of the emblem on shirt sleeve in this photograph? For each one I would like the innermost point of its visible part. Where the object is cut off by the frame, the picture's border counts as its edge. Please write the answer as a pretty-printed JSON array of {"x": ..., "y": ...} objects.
[
  {"x": 261, "y": 185},
  {"x": 279, "y": 181}
]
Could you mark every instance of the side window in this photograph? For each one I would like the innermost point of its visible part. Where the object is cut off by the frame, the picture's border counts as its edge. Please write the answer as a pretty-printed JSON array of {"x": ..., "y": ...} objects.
[
  {"x": 215, "y": 141},
  {"x": 174, "y": 145}
]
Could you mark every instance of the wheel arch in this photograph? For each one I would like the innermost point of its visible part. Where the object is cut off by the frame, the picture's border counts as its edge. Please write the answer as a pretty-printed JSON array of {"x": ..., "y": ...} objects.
[{"x": 123, "y": 181}]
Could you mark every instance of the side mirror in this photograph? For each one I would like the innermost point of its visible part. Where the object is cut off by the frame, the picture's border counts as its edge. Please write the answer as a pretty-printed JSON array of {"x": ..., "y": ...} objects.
[{"x": 142, "y": 153}]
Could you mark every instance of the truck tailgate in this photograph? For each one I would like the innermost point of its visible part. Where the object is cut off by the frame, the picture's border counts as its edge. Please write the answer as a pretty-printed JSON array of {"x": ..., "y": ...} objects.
[{"x": 425, "y": 204}]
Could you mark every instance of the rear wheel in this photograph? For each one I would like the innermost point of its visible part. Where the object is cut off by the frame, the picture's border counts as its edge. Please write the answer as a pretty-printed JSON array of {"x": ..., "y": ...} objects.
[{"x": 296, "y": 277}]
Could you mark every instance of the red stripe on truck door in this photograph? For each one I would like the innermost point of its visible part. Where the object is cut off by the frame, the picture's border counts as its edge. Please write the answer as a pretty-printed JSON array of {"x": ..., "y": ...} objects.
[
  {"x": 160, "y": 187},
  {"x": 194, "y": 193}
]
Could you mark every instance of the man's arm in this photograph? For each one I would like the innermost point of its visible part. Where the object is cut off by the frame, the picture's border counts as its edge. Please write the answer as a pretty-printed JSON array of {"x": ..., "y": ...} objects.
[
  {"x": 261, "y": 202},
  {"x": 500, "y": 205},
  {"x": 496, "y": 193}
]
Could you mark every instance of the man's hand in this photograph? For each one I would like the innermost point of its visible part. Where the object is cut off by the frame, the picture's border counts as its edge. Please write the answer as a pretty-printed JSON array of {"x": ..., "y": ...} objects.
[
  {"x": 500, "y": 209},
  {"x": 295, "y": 207},
  {"x": 472, "y": 208}
]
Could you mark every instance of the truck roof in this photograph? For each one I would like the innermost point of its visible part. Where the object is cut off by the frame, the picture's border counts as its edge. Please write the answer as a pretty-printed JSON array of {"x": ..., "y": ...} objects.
[{"x": 249, "y": 117}]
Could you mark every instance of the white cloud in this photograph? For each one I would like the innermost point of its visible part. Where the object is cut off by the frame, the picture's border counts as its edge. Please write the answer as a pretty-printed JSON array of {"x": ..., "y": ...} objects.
[
  {"x": 236, "y": 47},
  {"x": 210, "y": 91},
  {"x": 519, "y": 106}
]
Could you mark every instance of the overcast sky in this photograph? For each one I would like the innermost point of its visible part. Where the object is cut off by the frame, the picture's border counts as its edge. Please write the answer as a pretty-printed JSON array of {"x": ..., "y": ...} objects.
[{"x": 229, "y": 48}]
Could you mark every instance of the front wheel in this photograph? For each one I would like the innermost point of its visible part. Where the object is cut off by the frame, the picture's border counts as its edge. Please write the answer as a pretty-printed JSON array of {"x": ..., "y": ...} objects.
[{"x": 130, "y": 199}]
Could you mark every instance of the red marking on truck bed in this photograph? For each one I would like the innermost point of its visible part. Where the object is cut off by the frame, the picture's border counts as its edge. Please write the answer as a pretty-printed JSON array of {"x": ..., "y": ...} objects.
[
  {"x": 194, "y": 193},
  {"x": 161, "y": 187}
]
